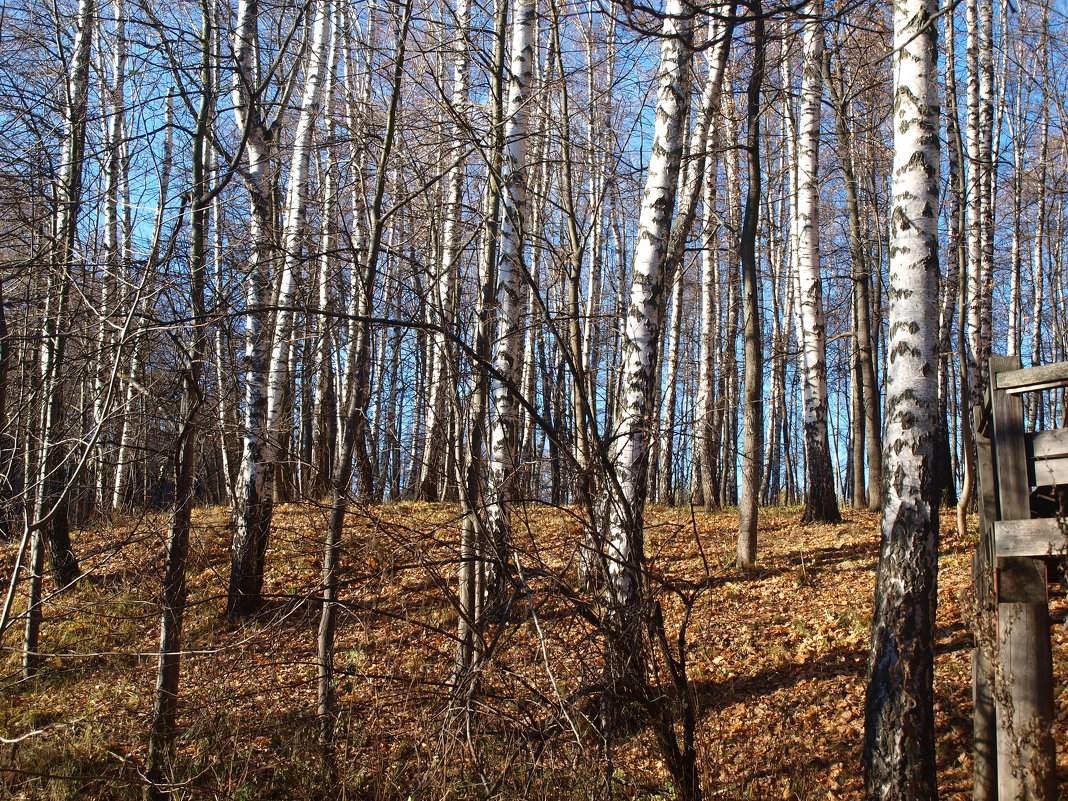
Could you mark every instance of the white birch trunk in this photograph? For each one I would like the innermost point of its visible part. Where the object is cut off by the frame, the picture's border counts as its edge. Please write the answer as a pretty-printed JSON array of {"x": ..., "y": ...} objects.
[
  {"x": 631, "y": 435},
  {"x": 987, "y": 176},
  {"x": 114, "y": 109},
  {"x": 976, "y": 289},
  {"x": 442, "y": 376},
  {"x": 293, "y": 232},
  {"x": 900, "y": 744},
  {"x": 821, "y": 505},
  {"x": 1037, "y": 257},
  {"x": 51, "y": 492},
  {"x": 509, "y": 296},
  {"x": 252, "y": 513}
]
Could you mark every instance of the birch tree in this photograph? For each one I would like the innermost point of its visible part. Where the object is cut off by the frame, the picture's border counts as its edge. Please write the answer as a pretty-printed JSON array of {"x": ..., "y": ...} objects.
[
  {"x": 48, "y": 526},
  {"x": 700, "y": 164},
  {"x": 821, "y": 503},
  {"x": 509, "y": 286},
  {"x": 264, "y": 356},
  {"x": 252, "y": 516},
  {"x": 899, "y": 746},
  {"x": 442, "y": 374},
  {"x": 868, "y": 431},
  {"x": 624, "y": 551}
]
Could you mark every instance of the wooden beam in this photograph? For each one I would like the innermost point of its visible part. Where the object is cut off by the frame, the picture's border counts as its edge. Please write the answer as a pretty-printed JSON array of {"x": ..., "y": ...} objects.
[
  {"x": 1010, "y": 452},
  {"x": 1048, "y": 444},
  {"x": 986, "y": 485},
  {"x": 1041, "y": 537},
  {"x": 1049, "y": 452},
  {"x": 1031, "y": 379},
  {"x": 1048, "y": 472}
]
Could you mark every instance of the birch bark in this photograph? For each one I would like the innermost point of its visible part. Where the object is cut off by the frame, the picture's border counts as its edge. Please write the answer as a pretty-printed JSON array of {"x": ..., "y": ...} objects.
[
  {"x": 295, "y": 212},
  {"x": 509, "y": 285},
  {"x": 252, "y": 516},
  {"x": 443, "y": 308},
  {"x": 821, "y": 503},
  {"x": 899, "y": 749},
  {"x": 631, "y": 435},
  {"x": 473, "y": 535},
  {"x": 699, "y": 182}
]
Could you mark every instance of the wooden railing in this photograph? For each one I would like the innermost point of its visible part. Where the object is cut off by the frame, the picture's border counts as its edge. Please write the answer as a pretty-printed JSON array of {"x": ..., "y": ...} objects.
[{"x": 1022, "y": 532}]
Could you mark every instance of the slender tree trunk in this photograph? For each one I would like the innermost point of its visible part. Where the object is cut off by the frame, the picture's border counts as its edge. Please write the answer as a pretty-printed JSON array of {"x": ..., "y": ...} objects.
[
  {"x": 443, "y": 307},
  {"x": 666, "y": 455},
  {"x": 753, "y": 398},
  {"x": 354, "y": 398},
  {"x": 279, "y": 381},
  {"x": 956, "y": 200},
  {"x": 1037, "y": 270},
  {"x": 49, "y": 522},
  {"x": 870, "y": 426},
  {"x": 174, "y": 590},
  {"x": 509, "y": 284},
  {"x": 112, "y": 135}
]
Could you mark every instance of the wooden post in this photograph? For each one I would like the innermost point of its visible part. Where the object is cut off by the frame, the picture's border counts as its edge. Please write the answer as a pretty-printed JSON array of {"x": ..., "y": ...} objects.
[
  {"x": 1023, "y": 688},
  {"x": 985, "y": 763}
]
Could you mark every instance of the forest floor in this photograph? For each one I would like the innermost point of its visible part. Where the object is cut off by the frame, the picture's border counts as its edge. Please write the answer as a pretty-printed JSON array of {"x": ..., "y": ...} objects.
[{"x": 776, "y": 656}]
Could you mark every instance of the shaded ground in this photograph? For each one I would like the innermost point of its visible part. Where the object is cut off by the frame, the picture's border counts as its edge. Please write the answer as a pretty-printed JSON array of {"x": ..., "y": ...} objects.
[{"x": 776, "y": 657}]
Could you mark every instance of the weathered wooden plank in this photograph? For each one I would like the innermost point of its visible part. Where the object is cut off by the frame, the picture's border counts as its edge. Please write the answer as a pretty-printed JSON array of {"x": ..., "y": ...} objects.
[
  {"x": 1047, "y": 444},
  {"x": 1041, "y": 537},
  {"x": 1010, "y": 454},
  {"x": 1029, "y": 379},
  {"x": 1048, "y": 472},
  {"x": 1022, "y": 580},
  {"x": 1027, "y": 755},
  {"x": 987, "y": 489},
  {"x": 984, "y": 742}
]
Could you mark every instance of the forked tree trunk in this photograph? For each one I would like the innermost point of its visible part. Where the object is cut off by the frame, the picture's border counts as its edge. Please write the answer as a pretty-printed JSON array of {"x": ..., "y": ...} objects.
[
  {"x": 899, "y": 746},
  {"x": 252, "y": 516}
]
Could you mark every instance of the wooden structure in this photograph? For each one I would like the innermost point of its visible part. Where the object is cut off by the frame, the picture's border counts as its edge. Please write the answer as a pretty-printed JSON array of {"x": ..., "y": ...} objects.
[{"x": 1023, "y": 480}]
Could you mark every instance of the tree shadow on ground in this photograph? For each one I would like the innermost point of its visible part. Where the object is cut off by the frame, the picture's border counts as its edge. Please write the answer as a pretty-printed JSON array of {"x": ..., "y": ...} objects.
[{"x": 837, "y": 661}]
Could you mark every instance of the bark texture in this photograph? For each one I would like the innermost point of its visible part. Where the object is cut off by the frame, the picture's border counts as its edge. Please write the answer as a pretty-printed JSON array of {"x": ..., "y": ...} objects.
[
  {"x": 821, "y": 503},
  {"x": 899, "y": 746}
]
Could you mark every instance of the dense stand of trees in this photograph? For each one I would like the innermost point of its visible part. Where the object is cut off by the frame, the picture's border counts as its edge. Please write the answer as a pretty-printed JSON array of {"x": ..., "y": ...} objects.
[{"x": 257, "y": 252}]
